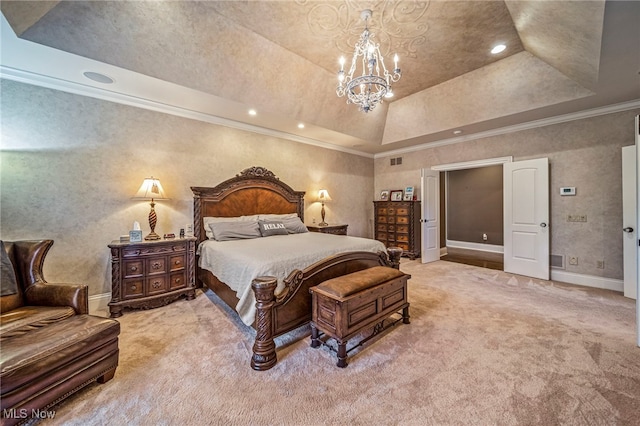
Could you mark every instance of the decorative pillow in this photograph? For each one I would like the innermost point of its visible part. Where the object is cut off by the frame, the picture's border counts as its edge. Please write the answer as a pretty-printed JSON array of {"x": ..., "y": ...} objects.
[
  {"x": 294, "y": 225},
  {"x": 269, "y": 227},
  {"x": 9, "y": 283},
  {"x": 237, "y": 230},
  {"x": 213, "y": 219}
]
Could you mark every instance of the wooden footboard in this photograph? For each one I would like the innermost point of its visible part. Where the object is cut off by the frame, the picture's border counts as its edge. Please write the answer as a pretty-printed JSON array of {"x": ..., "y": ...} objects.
[{"x": 291, "y": 308}]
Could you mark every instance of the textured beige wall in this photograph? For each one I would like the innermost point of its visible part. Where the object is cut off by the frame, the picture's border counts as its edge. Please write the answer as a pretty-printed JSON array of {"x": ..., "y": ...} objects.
[
  {"x": 70, "y": 165},
  {"x": 583, "y": 153}
]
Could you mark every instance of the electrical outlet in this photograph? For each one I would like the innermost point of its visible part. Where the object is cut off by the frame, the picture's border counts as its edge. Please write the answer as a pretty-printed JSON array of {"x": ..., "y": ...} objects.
[
  {"x": 573, "y": 260},
  {"x": 484, "y": 237},
  {"x": 600, "y": 264}
]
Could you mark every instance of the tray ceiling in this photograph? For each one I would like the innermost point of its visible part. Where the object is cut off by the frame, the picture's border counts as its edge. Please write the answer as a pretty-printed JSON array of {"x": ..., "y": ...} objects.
[{"x": 220, "y": 58}]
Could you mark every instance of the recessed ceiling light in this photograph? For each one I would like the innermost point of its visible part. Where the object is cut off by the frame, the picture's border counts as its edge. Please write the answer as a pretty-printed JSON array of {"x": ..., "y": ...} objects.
[
  {"x": 457, "y": 132},
  {"x": 253, "y": 112},
  {"x": 301, "y": 126},
  {"x": 97, "y": 77},
  {"x": 498, "y": 48}
]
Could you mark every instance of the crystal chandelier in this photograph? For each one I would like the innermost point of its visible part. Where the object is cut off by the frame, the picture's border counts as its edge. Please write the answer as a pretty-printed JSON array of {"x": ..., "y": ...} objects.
[{"x": 370, "y": 87}]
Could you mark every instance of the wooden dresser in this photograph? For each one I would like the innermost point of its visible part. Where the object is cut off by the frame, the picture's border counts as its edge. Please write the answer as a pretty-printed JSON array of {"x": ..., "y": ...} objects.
[
  {"x": 397, "y": 224},
  {"x": 149, "y": 274}
]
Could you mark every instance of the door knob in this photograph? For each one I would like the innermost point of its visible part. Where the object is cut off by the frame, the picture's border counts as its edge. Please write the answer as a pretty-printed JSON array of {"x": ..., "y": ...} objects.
[
  {"x": 543, "y": 225},
  {"x": 628, "y": 229}
]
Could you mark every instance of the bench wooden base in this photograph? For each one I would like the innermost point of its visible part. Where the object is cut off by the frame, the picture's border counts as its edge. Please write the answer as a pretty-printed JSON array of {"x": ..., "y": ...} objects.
[{"x": 345, "y": 306}]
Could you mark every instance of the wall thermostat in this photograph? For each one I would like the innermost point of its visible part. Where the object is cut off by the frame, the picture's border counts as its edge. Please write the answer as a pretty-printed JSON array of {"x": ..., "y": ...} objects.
[{"x": 568, "y": 190}]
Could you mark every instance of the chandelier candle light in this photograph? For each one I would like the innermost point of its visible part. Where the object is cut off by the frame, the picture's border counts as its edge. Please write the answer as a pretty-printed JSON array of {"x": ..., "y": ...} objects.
[
  {"x": 369, "y": 88},
  {"x": 151, "y": 189}
]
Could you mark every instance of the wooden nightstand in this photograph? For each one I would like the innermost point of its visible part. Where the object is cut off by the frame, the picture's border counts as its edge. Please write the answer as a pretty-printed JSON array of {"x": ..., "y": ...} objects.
[
  {"x": 150, "y": 274},
  {"x": 329, "y": 229}
]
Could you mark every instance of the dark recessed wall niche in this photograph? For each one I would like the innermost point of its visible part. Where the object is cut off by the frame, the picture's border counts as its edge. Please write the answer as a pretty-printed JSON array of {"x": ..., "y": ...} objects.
[{"x": 475, "y": 205}]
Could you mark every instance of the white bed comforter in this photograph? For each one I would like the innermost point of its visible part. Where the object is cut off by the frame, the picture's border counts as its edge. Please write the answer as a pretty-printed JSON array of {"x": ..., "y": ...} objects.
[{"x": 238, "y": 262}]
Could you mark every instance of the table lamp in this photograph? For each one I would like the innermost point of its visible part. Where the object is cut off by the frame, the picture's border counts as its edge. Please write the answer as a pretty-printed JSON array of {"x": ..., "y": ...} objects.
[
  {"x": 323, "y": 197},
  {"x": 151, "y": 189}
]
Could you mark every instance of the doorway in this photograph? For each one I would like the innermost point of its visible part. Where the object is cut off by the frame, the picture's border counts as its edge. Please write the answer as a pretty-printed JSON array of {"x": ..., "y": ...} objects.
[
  {"x": 471, "y": 212},
  {"x": 525, "y": 209}
]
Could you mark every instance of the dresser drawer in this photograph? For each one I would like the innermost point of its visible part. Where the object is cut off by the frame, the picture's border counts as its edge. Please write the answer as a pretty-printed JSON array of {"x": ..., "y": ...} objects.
[
  {"x": 403, "y": 246},
  {"x": 402, "y": 219},
  {"x": 402, "y": 228},
  {"x": 382, "y": 236},
  {"x": 132, "y": 289},
  {"x": 156, "y": 285},
  {"x": 176, "y": 263},
  {"x": 382, "y": 211},
  {"x": 402, "y": 211},
  {"x": 177, "y": 280},
  {"x": 382, "y": 219},
  {"x": 132, "y": 268},
  {"x": 156, "y": 265},
  {"x": 402, "y": 238}
]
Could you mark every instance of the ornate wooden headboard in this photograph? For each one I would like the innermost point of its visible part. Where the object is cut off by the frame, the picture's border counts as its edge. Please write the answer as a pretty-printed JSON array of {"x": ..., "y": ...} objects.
[{"x": 255, "y": 190}]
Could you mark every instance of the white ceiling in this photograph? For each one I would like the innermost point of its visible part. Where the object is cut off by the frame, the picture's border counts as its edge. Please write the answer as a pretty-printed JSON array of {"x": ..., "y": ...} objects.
[{"x": 214, "y": 60}]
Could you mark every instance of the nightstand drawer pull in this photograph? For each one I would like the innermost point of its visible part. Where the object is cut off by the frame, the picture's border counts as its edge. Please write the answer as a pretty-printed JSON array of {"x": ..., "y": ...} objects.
[
  {"x": 177, "y": 262},
  {"x": 157, "y": 284},
  {"x": 133, "y": 268},
  {"x": 133, "y": 287},
  {"x": 156, "y": 265},
  {"x": 177, "y": 280}
]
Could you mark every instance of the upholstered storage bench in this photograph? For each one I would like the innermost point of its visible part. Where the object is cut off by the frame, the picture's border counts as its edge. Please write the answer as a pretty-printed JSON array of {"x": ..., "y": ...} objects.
[{"x": 345, "y": 306}]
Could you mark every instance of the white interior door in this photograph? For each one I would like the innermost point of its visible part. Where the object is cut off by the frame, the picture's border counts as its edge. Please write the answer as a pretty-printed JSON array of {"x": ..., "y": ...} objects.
[
  {"x": 637, "y": 222},
  {"x": 629, "y": 218},
  {"x": 526, "y": 218},
  {"x": 430, "y": 220}
]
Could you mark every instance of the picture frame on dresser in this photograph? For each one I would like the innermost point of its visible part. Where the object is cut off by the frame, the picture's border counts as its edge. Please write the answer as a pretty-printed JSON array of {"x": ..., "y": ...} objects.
[
  {"x": 384, "y": 195},
  {"x": 396, "y": 195},
  {"x": 408, "y": 193}
]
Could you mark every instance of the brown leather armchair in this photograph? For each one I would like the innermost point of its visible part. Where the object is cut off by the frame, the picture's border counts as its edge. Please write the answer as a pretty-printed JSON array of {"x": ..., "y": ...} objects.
[{"x": 51, "y": 346}]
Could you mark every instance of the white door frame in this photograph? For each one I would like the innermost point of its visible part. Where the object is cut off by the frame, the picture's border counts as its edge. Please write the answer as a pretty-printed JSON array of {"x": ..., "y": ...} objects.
[{"x": 498, "y": 161}]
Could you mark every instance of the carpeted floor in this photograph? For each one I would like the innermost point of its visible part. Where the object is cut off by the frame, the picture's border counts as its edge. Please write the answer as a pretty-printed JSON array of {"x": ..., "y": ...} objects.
[{"x": 484, "y": 347}]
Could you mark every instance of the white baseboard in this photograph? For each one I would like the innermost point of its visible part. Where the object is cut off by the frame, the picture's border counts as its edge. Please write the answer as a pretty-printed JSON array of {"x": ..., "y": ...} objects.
[
  {"x": 587, "y": 280},
  {"x": 492, "y": 248},
  {"x": 98, "y": 303}
]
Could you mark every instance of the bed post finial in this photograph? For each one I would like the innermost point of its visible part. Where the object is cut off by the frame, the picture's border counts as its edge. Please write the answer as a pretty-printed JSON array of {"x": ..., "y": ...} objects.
[
  {"x": 394, "y": 256},
  {"x": 264, "y": 348}
]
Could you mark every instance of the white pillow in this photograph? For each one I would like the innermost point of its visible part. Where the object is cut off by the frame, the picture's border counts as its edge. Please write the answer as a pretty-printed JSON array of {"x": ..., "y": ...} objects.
[
  {"x": 212, "y": 219},
  {"x": 237, "y": 230}
]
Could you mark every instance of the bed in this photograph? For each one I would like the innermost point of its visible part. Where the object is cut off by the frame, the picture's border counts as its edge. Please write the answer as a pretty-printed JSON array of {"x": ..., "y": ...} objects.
[{"x": 278, "y": 299}]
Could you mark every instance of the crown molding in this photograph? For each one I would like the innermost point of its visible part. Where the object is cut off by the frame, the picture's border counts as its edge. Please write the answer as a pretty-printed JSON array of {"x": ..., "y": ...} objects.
[{"x": 580, "y": 115}]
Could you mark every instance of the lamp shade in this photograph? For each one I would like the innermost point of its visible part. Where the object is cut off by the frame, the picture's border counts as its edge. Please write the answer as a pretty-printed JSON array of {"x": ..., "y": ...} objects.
[
  {"x": 151, "y": 189},
  {"x": 323, "y": 196}
]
